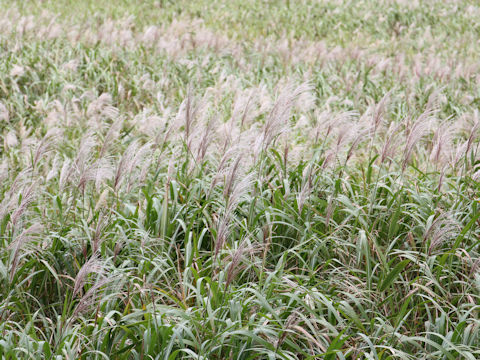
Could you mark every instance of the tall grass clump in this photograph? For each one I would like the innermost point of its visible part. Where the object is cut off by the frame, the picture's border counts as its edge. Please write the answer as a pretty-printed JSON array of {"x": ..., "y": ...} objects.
[{"x": 190, "y": 180}]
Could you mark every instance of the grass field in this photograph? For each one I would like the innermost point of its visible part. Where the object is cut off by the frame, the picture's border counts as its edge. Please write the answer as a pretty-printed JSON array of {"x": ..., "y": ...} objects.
[{"x": 239, "y": 179}]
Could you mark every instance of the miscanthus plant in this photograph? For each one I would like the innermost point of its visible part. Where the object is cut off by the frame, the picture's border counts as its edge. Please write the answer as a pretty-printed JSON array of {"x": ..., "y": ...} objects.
[{"x": 182, "y": 181}]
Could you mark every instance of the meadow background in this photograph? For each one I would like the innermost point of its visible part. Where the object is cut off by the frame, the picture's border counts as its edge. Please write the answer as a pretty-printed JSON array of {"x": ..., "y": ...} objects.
[{"x": 239, "y": 179}]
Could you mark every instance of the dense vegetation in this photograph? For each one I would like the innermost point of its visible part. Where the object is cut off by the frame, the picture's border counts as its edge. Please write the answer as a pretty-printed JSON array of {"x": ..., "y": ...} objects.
[{"x": 239, "y": 179}]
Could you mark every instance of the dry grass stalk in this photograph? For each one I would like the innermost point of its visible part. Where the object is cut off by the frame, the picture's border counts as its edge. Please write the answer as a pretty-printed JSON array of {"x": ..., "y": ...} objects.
[
  {"x": 18, "y": 244},
  {"x": 277, "y": 119},
  {"x": 28, "y": 196},
  {"x": 442, "y": 229},
  {"x": 93, "y": 265},
  {"x": 419, "y": 129}
]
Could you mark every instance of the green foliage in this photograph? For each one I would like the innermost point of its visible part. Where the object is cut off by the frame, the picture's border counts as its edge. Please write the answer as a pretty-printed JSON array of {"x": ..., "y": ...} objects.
[{"x": 239, "y": 180}]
